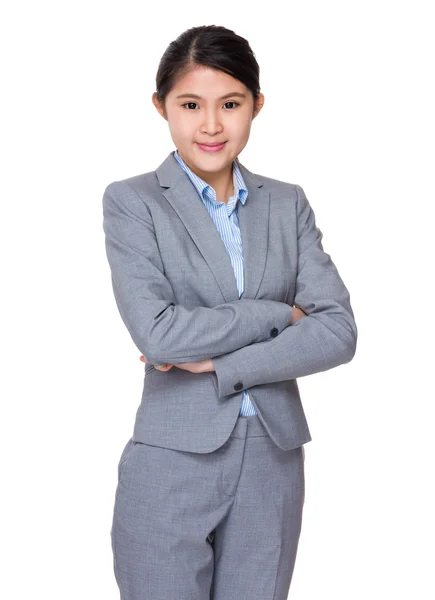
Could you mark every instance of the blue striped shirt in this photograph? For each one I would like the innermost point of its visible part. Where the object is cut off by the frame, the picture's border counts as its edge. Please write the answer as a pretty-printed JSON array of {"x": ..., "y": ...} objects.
[{"x": 226, "y": 219}]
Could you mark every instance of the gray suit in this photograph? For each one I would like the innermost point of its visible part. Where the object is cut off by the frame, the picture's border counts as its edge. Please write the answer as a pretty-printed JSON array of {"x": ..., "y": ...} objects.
[
  {"x": 176, "y": 291},
  {"x": 208, "y": 501}
]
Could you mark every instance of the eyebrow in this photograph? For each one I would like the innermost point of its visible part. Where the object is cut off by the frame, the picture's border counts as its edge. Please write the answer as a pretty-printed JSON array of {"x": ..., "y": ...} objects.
[{"x": 231, "y": 95}]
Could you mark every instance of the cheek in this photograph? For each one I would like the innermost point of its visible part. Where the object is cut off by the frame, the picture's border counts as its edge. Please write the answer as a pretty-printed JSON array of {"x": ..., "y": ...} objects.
[
  {"x": 179, "y": 123},
  {"x": 240, "y": 129},
  {"x": 178, "y": 129}
]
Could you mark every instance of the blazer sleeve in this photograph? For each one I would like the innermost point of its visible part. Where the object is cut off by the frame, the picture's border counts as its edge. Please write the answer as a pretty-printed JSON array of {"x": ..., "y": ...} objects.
[
  {"x": 164, "y": 331},
  {"x": 324, "y": 339}
]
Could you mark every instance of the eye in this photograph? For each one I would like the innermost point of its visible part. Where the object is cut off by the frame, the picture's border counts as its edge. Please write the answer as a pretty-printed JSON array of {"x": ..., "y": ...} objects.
[
  {"x": 188, "y": 103},
  {"x": 195, "y": 104}
]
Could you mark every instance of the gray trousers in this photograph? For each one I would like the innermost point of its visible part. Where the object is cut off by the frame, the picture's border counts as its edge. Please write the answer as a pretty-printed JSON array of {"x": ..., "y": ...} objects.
[{"x": 218, "y": 526}]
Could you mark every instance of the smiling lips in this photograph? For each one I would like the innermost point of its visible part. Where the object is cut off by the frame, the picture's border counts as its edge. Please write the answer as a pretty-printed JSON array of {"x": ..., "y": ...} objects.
[{"x": 213, "y": 147}]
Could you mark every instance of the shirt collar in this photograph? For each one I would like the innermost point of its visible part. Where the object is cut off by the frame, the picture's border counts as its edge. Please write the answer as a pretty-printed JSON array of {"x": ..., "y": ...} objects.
[{"x": 240, "y": 188}]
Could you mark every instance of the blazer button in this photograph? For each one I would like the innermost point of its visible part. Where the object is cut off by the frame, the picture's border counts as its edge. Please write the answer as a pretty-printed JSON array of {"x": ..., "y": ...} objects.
[
  {"x": 274, "y": 332},
  {"x": 238, "y": 386}
]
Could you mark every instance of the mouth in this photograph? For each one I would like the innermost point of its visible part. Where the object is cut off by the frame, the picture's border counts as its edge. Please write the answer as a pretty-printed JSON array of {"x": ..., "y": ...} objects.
[{"x": 212, "y": 147}]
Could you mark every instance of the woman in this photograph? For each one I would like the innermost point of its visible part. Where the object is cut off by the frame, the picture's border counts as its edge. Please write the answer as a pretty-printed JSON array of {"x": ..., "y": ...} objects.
[{"x": 211, "y": 484}]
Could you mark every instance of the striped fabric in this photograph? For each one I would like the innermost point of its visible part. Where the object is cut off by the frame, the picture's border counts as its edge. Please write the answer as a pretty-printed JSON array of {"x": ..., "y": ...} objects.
[{"x": 225, "y": 217}]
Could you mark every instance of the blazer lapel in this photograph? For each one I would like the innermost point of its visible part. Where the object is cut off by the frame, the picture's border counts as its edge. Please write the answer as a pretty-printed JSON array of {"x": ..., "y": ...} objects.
[
  {"x": 254, "y": 230},
  {"x": 254, "y": 227}
]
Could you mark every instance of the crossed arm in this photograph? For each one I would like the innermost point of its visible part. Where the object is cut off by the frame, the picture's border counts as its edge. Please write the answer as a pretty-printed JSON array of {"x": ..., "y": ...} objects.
[
  {"x": 207, "y": 365},
  {"x": 324, "y": 338},
  {"x": 164, "y": 331}
]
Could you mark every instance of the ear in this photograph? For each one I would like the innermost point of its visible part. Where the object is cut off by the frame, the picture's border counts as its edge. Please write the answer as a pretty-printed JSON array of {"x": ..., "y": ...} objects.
[
  {"x": 258, "y": 105},
  {"x": 159, "y": 106}
]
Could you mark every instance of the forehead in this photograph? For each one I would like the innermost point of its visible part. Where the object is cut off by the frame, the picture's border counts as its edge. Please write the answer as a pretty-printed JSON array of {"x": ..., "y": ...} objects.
[{"x": 207, "y": 83}]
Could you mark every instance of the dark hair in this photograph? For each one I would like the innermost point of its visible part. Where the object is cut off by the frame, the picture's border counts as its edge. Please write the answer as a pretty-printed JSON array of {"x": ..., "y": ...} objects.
[{"x": 210, "y": 46}]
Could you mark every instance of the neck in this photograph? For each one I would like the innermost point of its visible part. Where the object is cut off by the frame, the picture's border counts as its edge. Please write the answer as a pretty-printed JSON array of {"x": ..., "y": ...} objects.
[{"x": 221, "y": 181}]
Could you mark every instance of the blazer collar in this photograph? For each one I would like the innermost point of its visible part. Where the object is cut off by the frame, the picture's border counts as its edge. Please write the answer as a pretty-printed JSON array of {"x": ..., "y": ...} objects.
[{"x": 253, "y": 219}]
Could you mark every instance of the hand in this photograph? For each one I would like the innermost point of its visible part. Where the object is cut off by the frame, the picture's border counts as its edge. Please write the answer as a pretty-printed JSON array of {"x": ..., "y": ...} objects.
[
  {"x": 161, "y": 368},
  {"x": 297, "y": 313},
  {"x": 202, "y": 366}
]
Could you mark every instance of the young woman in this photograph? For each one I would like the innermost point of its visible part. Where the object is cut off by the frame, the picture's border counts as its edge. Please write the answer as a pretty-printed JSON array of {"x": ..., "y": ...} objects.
[{"x": 220, "y": 277}]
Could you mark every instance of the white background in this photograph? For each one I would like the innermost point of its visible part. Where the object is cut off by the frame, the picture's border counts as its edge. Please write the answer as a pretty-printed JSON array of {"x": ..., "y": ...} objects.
[{"x": 348, "y": 116}]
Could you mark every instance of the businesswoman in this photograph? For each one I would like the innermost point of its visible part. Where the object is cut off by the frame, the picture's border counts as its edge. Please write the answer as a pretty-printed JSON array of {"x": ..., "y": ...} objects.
[{"x": 221, "y": 279}]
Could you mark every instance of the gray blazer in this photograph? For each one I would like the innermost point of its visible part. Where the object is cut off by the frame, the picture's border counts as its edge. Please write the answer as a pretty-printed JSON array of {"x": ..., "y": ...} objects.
[{"x": 176, "y": 291}]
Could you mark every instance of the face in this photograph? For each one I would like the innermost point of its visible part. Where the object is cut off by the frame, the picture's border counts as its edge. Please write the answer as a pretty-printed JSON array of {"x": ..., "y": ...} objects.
[{"x": 205, "y": 106}]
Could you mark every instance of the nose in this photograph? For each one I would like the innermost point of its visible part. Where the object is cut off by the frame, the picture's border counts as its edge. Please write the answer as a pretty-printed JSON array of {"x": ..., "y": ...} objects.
[{"x": 211, "y": 124}]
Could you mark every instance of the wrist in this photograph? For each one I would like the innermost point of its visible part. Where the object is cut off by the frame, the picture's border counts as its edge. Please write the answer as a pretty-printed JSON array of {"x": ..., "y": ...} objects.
[{"x": 208, "y": 366}]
